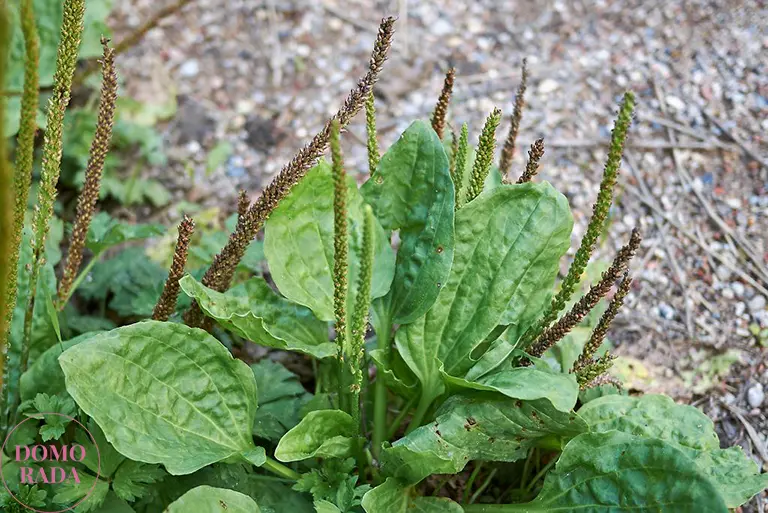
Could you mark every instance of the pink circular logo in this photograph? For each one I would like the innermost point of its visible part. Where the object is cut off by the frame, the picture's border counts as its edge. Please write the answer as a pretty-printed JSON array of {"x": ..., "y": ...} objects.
[{"x": 50, "y": 463}]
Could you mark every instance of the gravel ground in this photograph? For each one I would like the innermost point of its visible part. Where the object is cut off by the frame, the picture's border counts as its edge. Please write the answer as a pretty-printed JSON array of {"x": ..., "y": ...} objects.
[{"x": 264, "y": 76}]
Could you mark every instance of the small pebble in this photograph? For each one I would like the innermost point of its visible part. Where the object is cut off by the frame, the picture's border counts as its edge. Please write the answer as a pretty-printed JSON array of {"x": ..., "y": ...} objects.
[
  {"x": 755, "y": 395},
  {"x": 189, "y": 68},
  {"x": 757, "y": 304},
  {"x": 738, "y": 289}
]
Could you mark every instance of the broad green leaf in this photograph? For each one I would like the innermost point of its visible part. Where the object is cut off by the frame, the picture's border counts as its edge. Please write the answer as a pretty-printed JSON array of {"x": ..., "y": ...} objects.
[
  {"x": 298, "y": 244},
  {"x": 391, "y": 496},
  {"x": 256, "y": 312},
  {"x": 323, "y": 506},
  {"x": 45, "y": 375},
  {"x": 613, "y": 471},
  {"x": 411, "y": 191},
  {"x": 206, "y": 499},
  {"x": 658, "y": 417},
  {"x": 281, "y": 398},
  {"x": 527, "y": 383},
  {"x": 165, "y": 393},
  {"x": 652, "y": 416},
  {"x": 466, "y": 429},
  {"x": 106, "y": 232},
  {"x": 508, "y": 244},
  {"x": 394, "y": 497},
  {"x": 321, "y": 434},
  {"x": 114, "y": 504},
  {"x": 272, "y": 496}
]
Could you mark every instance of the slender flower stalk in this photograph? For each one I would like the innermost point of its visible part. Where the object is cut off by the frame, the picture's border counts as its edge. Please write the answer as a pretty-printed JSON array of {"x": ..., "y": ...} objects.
[
  {"x": 362, "y": 302},
  {"x": 602, "y": 379},
  {"x": 7, "y": 228},
  {"x": 596, "y": 223},
  {"x": 219, "y": 274},
  {"x": 534, "y": 157},
  {"x": 454, "y": 151},
  {"x": 462, "y": 153},
  {"x": 441, "y": 109},
  {"x": 86, "y": 202},
  {"x": 601, "y": 330},
  {"x": 22, "y": 176},
  {"x": 166, "y": 304},
  {"x": 340, "y": 261},
  {"x": 370, "y": 129},
  {"x": 484, "y": 155},
  {"x": 66, "y": 61},
  {"x": 508, "y": 152},
  {"x": 596, "y": 292}
]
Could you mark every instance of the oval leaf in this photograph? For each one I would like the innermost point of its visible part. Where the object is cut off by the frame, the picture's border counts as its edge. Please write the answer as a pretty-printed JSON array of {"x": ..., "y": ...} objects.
[
  {"x": 394, "y": 497},
  {"x": 508, "y": 244},
  {"x": 476, "y": 429},
  {"x": 527, "y": 383},
  {"x": 686, "y": 427},
  {"x": 412, "y": 191},
  {"x": 165, "y": 393},
  {"x": 612, "y": 471},
  {"x": 256, "y": 312},
  {"x": 206, "y": 499},
  {"x": 321, "y": 434},
  {"x": 298, "y": 244}
]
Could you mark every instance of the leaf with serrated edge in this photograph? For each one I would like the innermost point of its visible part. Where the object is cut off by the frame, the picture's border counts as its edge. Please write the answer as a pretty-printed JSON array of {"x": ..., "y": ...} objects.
[
  {"x": 256, "y": 312},
  {"x": 657, "y": 416},
  {"x": 467, "y": 429},
  {"x": 411, "y": 191},
  {"x": 206, "y": 499},
  {"x": 508, "y": 243},
  {"x": 613, "y": 471},
  {"x": 281, "y": 397},
  {"x": 321, "y": 434},
  {"x": 298, "y": 244},
  {"x": 165, "y": 393}
]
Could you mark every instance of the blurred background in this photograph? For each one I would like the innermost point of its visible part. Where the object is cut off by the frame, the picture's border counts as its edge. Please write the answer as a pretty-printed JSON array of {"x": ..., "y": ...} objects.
[{"x": 221, "y": 93}]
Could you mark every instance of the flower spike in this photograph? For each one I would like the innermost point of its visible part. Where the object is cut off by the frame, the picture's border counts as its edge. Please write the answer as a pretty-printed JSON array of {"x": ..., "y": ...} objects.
[
  {"x": 534, "y": 157},
  {"x": 484, "y": 155},
  {"x": 508, "y": 152},
  {"x": 86, "y": 202},
  {"x": 166, "y": 304},
  {"x": 441, "y": 109}
]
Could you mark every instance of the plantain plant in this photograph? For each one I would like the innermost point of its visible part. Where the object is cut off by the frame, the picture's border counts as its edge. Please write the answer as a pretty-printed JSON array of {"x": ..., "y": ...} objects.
[{"x": 454, "y": 263}]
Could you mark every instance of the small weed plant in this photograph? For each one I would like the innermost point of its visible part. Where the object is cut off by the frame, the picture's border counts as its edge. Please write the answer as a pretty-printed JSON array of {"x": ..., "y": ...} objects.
[{"x": 480, "y": 384}]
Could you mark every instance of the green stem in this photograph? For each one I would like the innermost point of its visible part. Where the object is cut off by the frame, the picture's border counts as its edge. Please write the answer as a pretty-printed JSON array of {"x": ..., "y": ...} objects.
[
  {"x": 471, "y": 481},
  {"x": 383, "y": 335},
  {"x": 79, "y": 280},
  {"x": 280, "y": 470},
  {"x": 424, "y": 403},
  {"x": 541, "y": 473},
  {"x": 526, "y": 468},
  {"x": 400, "y": 417},
  {"x": 483, "y": 486}
]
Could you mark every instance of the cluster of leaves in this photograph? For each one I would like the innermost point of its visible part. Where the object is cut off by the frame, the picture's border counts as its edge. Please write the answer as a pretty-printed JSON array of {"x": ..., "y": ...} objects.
[{"x": 457, "y": 267}]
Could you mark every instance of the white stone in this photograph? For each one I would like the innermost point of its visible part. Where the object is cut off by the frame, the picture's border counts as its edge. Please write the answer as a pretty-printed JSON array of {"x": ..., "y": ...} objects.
[
  {"x": 755, "y": 395},
  {"x": 548, "y": 85},
  {"x": 189, "y": 68}
]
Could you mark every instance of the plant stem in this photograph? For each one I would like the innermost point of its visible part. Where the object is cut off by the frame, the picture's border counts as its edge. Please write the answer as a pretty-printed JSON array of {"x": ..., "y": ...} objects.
[
  {"x": 281, "y": 470},
  {"x": 383, "y": 334},
  {"x": 424, "y": 403},
  {"x": 471, "y": 481},
  {"x": 79, "y": 280},
  {"x": 526, "y": 468},
  {"x": 483, "y": 486},
  {"x": 540, "y": 474},
  {"x": 400, "y": 416}
]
